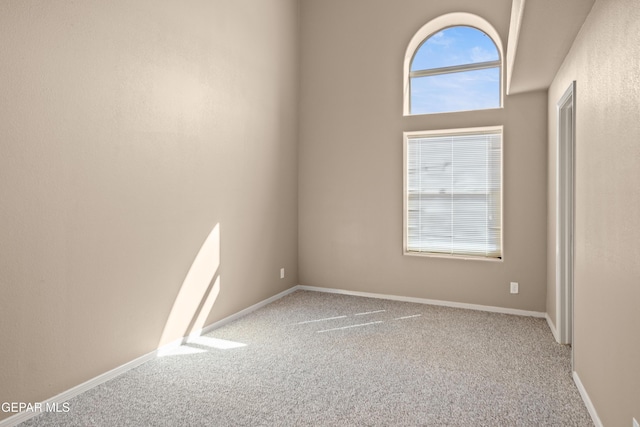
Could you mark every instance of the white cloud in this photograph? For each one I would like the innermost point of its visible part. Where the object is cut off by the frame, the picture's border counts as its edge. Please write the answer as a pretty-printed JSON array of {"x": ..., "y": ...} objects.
[
  {"x": 440, "y": 39},
  {"x": 479, "y": 54}
]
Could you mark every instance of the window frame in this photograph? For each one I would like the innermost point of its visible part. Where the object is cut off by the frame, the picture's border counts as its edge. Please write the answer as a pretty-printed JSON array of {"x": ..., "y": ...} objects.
[
  {"x": 472, "y": 66},
  {"x": 456, "y": 19},
  {"x": 405, "y": 194}
]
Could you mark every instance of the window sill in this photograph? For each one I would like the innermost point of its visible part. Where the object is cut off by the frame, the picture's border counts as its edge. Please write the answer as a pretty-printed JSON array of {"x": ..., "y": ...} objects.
[{"x": 453, "y": 257}]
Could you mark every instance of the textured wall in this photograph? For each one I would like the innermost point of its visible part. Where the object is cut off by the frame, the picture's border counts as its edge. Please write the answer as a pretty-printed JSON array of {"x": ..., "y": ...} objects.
[
  {"x": 605, "y": 62},
  {"x": 130, "y": 132},
  {"x": 350, "y": 189}
]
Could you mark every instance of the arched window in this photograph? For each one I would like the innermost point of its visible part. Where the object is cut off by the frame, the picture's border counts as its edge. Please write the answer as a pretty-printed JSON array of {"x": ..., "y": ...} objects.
[{"x": 453, "y": 67}]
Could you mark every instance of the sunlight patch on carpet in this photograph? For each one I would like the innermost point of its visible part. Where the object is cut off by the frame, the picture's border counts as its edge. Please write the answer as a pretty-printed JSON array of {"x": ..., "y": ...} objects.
[{"x": 351, "y": 326}]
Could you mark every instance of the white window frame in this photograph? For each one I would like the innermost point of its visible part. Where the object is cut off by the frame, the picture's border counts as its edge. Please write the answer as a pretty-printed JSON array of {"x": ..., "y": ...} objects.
[
  {"x": 405, "y": 194},
  {"x": 440, "y": 23}
]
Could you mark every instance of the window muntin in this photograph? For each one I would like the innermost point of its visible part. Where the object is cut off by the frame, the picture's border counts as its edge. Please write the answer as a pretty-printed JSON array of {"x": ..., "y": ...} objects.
[
  {"x": 453, "y": 193},
  {"x": 455, "y": 69}
]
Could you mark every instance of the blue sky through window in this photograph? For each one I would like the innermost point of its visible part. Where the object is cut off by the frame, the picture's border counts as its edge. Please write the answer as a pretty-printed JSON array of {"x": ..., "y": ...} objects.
[{"x": 460, "y": 91}]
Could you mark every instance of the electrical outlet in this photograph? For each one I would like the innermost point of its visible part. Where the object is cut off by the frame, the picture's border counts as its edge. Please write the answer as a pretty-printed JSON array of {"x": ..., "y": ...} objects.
[
  {"x": 282, "y": 273},
  {"x": 635, "y": 423},
  {"x": 514, "y": 287}
]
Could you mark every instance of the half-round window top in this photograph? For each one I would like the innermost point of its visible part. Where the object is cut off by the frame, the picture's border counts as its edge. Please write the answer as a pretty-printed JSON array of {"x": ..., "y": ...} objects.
[{"x": 457, "y": 68}]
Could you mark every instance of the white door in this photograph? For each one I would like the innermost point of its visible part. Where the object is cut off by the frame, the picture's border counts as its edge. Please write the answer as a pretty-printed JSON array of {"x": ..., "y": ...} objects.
[{"x": 565, "y": 176}]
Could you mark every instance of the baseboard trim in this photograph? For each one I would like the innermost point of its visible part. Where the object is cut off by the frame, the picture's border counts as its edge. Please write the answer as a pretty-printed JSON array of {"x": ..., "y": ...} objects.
[
  {"x": 102, "y": 378},
  {"x": 478, "y": 307},
  {"x": 587, "y": 400},
  {"x": 554, "y": 331}
]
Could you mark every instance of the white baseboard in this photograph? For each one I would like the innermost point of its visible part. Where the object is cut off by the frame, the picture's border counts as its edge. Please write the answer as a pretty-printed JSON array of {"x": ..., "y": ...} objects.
[
  {"x": 554, "y": 331},
  {"x": 587, "y": 400},
  {"x": 478, "y": 307},
  {"x": 102, "y": 378}
]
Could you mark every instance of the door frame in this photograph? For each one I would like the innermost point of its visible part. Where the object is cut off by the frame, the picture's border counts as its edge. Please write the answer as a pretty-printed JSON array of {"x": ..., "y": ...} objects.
[{"x": 565, "y": 214}]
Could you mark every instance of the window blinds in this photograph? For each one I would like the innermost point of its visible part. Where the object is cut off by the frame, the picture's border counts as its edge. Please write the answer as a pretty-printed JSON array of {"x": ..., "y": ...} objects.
[{"x": 453, "y": 193}]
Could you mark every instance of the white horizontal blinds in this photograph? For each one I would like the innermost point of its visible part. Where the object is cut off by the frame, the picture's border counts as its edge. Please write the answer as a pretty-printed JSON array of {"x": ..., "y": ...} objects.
[{"x": 454, "y": 194}]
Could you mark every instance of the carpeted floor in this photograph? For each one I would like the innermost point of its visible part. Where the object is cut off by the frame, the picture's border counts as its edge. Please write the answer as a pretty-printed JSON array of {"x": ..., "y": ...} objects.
[{"x": 319, "y": 359}]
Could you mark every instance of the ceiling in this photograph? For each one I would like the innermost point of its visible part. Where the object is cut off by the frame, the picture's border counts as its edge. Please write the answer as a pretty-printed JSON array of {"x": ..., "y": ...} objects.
[{"x": 541, "y": 33}]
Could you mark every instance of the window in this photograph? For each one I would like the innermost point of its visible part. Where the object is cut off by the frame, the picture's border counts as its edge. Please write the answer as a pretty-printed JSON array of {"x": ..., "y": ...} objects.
[
  {"x": 453, "y": 63},
  {"x": 456, "y": 69},
  {"x": 453, "y": 193}
]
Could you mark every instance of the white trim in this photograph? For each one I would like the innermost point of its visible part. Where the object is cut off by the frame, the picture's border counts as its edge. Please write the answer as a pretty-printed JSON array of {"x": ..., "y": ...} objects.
[
  {"x": 554, "y": 331},
  {"x": 517, "y": 13},
  {"x": 474, "y": 66},
  {"x": 437, "y": 24},
  {"x": 565, "y": 220},
  {"x": 102, "y": 378},
  {"x": 587, "y": 400},
  {"x": 463, "y": 305}
]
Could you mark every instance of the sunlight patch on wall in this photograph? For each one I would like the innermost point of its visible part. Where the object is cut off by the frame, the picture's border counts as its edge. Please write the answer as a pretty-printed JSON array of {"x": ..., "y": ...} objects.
[
  {"x": 201, "y": 318},
  {"x": 198, "y": 292}
]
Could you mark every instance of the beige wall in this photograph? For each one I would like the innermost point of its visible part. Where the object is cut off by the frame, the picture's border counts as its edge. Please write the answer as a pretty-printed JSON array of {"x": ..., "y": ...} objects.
[
  {"x": 130, "y": 129},
  {"x": 605, "y": 62},
  {"x": 350, "y": 188}
]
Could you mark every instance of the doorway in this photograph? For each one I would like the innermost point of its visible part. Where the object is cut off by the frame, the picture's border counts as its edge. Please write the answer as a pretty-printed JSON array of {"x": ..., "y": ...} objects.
[{"x": 565, "y": 185}]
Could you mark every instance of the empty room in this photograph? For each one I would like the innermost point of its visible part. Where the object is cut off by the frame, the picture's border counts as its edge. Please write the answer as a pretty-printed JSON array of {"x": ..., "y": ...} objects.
[{"x": 320, "y": 212}]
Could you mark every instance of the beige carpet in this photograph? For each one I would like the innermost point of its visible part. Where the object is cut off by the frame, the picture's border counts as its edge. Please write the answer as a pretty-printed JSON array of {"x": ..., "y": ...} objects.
[{"x": 318, "y": 359}]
